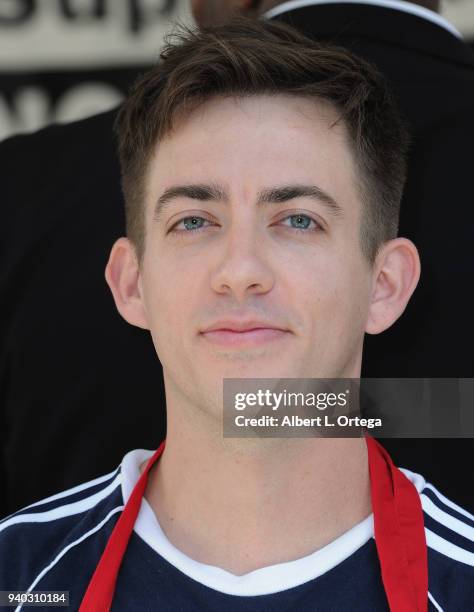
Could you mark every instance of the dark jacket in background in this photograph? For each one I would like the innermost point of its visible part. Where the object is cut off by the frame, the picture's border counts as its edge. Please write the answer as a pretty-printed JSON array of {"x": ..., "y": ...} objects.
[{"x": 80, "y": 387}]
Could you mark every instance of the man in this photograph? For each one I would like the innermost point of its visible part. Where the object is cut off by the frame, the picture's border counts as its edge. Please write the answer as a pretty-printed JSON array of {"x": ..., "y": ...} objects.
[
  {"x": 262, "y": 175},
  {"x": 62, "y": 183}
]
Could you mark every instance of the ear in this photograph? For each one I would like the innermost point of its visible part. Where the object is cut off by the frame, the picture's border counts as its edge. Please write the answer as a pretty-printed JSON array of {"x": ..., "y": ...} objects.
[
  {"x": 122, "y": 274},
  {"x": 396, "y": 275}
]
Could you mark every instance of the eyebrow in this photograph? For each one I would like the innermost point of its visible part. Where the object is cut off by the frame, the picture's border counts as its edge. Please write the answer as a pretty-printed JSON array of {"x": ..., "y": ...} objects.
[{"x": 273, "y": 195}]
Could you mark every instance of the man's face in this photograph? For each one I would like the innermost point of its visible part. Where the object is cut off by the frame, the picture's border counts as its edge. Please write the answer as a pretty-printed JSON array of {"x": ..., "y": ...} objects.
[{"x": 260, "y": 227}]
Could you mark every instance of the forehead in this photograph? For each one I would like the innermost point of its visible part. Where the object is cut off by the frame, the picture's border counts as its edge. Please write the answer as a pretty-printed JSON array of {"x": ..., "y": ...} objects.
[{"x": 251, "y": 143}]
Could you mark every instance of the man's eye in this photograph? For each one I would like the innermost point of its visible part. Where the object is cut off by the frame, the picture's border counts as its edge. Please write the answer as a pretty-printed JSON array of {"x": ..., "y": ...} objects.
[
  {"x": 302, "y": 222},
  {"x": 192, "y": 223}
]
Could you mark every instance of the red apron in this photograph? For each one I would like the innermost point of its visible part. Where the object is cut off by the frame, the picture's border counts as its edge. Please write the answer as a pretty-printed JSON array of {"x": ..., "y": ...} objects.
[{"x": 398, "y": 529}]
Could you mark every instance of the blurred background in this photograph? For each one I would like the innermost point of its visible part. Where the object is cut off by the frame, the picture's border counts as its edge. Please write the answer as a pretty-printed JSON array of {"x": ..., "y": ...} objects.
[{"x": 63, "y": 60}]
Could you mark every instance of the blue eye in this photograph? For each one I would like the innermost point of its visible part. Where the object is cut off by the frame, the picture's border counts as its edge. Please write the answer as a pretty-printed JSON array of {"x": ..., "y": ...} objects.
[
  {"x": 301, "y": 222},
  {"x": 192, "y": 223}
]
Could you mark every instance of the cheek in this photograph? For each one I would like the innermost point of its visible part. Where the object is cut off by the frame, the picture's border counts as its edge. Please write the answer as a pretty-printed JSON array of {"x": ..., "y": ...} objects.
[
  {"x": 335, "y": 298},
  {"x": 166, "y": 300},
  {"x": 168, "y": 296},
  {"x": 352, "y": 303}
]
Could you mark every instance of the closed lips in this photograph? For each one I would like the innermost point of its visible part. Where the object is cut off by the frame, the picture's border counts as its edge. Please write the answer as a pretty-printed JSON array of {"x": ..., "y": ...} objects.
[{"x": 241, "y": 327}]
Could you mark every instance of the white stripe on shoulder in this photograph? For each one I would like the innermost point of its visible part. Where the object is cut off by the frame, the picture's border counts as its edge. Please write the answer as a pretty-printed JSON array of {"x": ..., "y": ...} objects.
[
  {"x": 434, "y": 602},
  {"x": 67, "y": 548},
  {"x": 65, "y": 510},
  {"x": 67, "y": 492},
  {"x": 448, "y": 502},
  {"x": 76, "y": 489},
  {"x": 448, "y": 549},
  {"x": 446, "y": 519}
]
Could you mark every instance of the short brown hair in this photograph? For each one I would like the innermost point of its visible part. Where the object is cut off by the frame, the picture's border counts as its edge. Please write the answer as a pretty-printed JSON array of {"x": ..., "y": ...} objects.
[{"x": 247, "y": 57}]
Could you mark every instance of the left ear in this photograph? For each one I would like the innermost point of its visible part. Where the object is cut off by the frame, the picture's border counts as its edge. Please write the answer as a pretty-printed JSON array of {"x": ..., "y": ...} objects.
[{"x": 396, "y": 275}]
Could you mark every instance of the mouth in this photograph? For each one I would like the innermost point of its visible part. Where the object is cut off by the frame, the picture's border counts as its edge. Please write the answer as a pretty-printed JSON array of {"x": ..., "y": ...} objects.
[{"x": 248, "y": 337}]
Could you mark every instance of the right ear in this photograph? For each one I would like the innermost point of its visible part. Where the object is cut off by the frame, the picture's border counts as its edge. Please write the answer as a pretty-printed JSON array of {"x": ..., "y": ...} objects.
[{"x": 122, "y": 274}]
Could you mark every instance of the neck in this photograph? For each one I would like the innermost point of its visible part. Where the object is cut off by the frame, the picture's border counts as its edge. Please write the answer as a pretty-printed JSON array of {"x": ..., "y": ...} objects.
[
  {"x": 267, "y": 501},
  {"x": 433, "y": 5}
]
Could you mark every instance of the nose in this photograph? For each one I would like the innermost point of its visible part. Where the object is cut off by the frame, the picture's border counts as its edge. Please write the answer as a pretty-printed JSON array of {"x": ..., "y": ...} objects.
[{"x": 243, "y": 268}]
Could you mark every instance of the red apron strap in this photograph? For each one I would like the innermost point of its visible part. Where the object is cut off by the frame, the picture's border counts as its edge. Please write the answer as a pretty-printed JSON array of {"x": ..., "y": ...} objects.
[
  {"x": 100, "y": 592},
  {"x": 399, "y": 533}
]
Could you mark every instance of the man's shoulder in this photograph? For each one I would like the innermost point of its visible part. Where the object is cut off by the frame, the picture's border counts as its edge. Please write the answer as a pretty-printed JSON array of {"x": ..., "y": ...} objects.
[
  {"x": 66, "y": 528},
  {"x": 449, "y": 532},
  {"x": 449, "y": 528}
]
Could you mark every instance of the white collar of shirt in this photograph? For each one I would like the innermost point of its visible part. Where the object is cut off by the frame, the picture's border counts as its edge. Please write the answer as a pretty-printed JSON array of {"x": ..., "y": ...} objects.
[
  {"x": 398, "y": 5},
  {"x": 263, "y": 581}
]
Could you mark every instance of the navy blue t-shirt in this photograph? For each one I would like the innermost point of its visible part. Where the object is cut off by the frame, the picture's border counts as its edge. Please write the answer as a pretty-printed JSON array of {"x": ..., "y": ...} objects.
[{"x": 55, "y": 545}]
